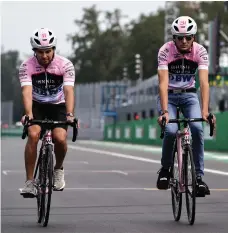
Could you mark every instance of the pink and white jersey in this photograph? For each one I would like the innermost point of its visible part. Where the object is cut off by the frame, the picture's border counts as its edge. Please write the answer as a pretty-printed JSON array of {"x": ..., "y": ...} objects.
[
  {"x": 47, "y": 83},
  {"x": 182, "y": 67}
]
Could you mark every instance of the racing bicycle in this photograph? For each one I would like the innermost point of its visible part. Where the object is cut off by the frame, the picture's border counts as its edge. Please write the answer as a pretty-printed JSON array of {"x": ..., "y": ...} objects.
[
  {"x": 182, "y": 172},
  {"x": 43, "y": 175}
]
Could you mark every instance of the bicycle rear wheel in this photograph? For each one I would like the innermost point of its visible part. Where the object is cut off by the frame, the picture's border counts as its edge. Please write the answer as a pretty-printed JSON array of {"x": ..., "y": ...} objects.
[
  {"x": 176, "y": 195},
  {"x": 48, "y": 184},
  {"x": 190, "y": 184}
]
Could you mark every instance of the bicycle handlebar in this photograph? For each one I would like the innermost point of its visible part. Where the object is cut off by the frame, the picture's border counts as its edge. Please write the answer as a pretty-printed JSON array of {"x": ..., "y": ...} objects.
[
  {"x": 187, "y": 120},
  {"x": 50, "y": 123}
]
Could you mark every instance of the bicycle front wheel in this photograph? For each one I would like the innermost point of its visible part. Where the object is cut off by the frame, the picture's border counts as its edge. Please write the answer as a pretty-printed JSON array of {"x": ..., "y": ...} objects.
[
  {"x": 176, "y": 195},
  {"x": 48, "y": 184},
  {"x": 190, "y": 184},
  {"x": 38, "y": 176}
]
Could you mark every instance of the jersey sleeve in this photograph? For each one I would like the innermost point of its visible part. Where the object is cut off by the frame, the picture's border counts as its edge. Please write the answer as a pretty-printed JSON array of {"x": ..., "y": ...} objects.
[
  {"x": 163, "y": 56},
  {"x": 68, "y": 74},
  {"x": 24, "y": 75},
  {"x": 202, "y": 58}
]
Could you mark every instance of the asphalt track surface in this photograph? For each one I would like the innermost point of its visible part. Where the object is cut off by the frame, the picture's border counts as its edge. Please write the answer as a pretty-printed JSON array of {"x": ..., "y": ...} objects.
[{"x": 108, "y": 189}]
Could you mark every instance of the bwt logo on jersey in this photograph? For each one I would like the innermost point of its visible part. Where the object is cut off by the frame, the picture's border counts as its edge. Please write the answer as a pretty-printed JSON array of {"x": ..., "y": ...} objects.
[{"x": 181, "y": 77}]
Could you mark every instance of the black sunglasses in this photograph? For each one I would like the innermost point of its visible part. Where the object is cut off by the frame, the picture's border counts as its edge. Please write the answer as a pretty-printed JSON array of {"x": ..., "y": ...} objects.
[{"x": 188, "y": 38}]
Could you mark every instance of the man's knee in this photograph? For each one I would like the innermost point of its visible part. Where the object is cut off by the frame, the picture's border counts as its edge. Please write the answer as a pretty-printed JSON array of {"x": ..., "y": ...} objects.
[
  {"x": 59, "y": 135},
  {"x": 196, "y": 129},
  {"x": 34, "y": 134},
  {"x": 170, "y": 130}
]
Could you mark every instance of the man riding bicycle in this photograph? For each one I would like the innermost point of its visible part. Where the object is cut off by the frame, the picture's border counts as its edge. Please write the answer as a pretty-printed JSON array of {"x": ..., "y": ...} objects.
[
  {"x": 178, "y": 61},
  {"x": 47, "y": 82}
]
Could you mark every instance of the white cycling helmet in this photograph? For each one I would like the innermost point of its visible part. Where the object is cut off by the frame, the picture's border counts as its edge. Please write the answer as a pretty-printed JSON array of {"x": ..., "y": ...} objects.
[
  {"x": 184, "y": 25},
  {"x": 43, "y": 38}
]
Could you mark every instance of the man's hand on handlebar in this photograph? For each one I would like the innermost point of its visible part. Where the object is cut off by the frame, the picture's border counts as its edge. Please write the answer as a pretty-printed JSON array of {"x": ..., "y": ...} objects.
[
  {"x": 25, "y": 117},
  {"x": 70, "y": 118},
  {"x": 159, "y": 120}
]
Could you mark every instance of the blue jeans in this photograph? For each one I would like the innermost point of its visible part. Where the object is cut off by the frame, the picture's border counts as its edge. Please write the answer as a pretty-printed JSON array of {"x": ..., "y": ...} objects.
[{"x": 189, "y": 103}]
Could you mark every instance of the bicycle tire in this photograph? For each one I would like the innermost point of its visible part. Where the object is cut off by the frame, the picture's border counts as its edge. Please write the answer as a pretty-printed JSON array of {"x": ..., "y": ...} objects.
[
  {"x": 190, "y": 207},
  {"x": 48, "y": 188},
  {"x": 176, "y": 196},
  {"x": 38, "y": 179}
]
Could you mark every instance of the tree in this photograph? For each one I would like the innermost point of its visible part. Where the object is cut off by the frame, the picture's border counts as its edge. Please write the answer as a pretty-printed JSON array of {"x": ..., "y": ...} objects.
[
  {"x": 103, "y": 47},
  {"x": 11, "y": 89},
  {"x": 203, "y": 12},
  {"x": 146, "y": 37},
  {"x": 97, "y": 52}
]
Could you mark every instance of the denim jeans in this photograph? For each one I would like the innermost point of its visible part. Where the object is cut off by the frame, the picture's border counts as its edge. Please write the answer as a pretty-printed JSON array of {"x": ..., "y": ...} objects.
[{"x": 189, "y": 103}]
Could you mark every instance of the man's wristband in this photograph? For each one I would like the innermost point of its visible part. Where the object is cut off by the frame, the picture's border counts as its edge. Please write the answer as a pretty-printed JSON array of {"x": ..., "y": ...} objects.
[
  {"x": 163, "y": 112},
  {"x": 70, "y": 114}
]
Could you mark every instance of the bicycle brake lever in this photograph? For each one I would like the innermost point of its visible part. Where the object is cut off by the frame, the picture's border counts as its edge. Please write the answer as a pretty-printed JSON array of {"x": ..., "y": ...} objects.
[
  {"x": 210, "y": 118},
  {"x": 163, "y": 123},
  {"x": 25, "y": 129},
  {"x": 75, "y": 130}
]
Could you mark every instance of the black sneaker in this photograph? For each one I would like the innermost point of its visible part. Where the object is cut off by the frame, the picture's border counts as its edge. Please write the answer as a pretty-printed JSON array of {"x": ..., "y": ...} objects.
[
  {"x": 163, "y": 179},
  {"x": 201, "y": 187}
]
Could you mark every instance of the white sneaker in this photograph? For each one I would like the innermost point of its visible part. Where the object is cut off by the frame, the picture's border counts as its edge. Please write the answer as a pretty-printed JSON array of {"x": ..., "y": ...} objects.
[
  {"x": 59, "y": 182},
  {"x": 29, "y": 190}
]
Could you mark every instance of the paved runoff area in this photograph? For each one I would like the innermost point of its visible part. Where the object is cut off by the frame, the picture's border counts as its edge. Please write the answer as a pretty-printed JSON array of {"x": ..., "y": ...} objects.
[{"x": 110, "y": 187}]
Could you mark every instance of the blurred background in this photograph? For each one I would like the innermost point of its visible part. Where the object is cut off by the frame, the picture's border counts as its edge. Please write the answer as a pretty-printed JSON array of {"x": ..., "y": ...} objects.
[{"x": 114, "y": 47}]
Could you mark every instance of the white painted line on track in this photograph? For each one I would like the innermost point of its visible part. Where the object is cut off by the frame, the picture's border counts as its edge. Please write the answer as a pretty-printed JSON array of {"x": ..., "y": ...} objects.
[
  {"x": 125, "y": 189},
  {"x": 75, "y": 162},
  {"x": 120, "y": 172},
  {"x": 5, "y": 172},
  {"x": 126, "y": 156},
  {"x": 105, "y": 188},
  {"x": 149, "y": 148}
]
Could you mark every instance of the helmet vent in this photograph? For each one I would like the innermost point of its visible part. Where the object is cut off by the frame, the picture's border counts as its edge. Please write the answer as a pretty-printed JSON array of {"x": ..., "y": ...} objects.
[
  {"x": 37, "y": 41},
  {"x": 190, "y": 28},
  {"x": 51, "y": 40},
  {"x": 176, "y": 28}
]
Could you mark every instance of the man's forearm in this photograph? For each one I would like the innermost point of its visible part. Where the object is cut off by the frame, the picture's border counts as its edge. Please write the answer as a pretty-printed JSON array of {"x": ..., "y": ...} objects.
[
  {"x": 204, "y": 89},
  {"x": 163, "y": 88},
  {"x": 69, "y": 97},
  {"x": 164, "y": 97},
  {"x": 27, "y": 99}
]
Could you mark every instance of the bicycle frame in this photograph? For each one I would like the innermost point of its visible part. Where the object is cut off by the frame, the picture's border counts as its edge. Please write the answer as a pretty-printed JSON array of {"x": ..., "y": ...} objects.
[
  {"x": 46, "y": 139},
  {"x": 45, "y": 163},
  {"x": 182, "y": 147},
  {"x": 182, "y": 139}
]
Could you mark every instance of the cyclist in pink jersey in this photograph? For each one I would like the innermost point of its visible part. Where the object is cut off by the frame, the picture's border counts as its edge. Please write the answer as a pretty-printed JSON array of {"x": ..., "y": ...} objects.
[
  {"x": 178, "y": 61},
  {"x": 47, "y": 82}
]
